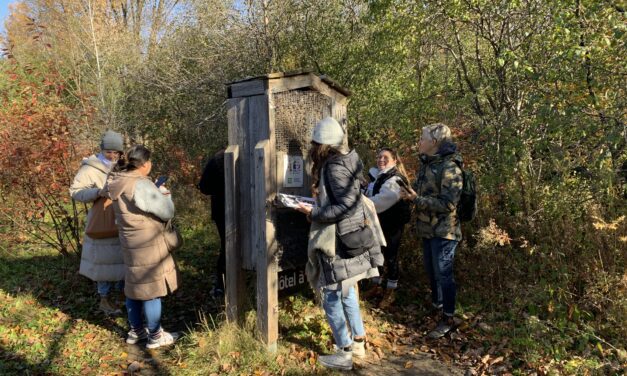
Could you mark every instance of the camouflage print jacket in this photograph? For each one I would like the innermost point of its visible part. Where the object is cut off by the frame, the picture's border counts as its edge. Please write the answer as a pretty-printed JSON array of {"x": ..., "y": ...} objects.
[{"x": 437, "y": 206}]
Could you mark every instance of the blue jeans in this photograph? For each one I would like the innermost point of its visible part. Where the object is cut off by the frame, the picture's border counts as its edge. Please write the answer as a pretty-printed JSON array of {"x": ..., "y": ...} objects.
[
  {"x": 152, "y": 312},
  {"x": 104, "y": 287},
  {"x": 340, "y": 310},
  {"x": 439, "y": 255}
]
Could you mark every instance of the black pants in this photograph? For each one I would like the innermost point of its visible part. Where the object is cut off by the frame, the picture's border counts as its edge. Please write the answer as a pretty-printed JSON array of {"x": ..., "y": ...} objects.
[
  {"x": 221, "y": 264},
  {"x": 390, "y": 252}
]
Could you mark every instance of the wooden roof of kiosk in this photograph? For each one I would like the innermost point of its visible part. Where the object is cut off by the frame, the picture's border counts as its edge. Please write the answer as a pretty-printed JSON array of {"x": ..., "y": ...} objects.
[
  {"x": 269, "y": 117},
  {"x": 282, "y": 81}
]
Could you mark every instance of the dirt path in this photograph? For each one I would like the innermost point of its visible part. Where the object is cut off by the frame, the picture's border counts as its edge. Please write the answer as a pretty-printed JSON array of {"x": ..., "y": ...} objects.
[
  {"x": 148, "y": 363},
  {"x": 407, "y": 364}
]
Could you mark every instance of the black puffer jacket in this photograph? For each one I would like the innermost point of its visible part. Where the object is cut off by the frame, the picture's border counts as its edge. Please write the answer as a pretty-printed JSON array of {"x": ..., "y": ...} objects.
[{"x": 342, "y": 173}]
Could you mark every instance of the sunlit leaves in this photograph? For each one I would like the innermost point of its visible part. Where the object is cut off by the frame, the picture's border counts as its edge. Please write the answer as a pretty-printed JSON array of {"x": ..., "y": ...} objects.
[{"x": 38, "y": 154}]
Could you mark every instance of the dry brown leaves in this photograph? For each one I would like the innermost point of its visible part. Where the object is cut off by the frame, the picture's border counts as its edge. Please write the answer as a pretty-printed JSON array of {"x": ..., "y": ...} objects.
[
  {"x": 464, "y": 348},
  {"x": 306, "y": 358}
]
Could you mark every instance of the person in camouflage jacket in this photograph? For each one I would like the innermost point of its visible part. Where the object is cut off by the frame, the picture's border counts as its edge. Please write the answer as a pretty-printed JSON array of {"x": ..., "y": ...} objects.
[
  {"x": 438, "y": 186},
  {"x": 436, "y": 193}
]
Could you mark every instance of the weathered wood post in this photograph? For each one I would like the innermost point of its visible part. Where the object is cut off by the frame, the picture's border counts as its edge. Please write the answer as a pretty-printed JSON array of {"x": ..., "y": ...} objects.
[
  {"x": 267, "y": 288},
  {"x": 234, "y": 278},
  {"x": 270, "y": 120}
]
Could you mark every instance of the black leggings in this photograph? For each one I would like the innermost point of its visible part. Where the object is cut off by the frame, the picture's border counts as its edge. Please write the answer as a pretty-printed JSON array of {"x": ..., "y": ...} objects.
[
  {"x": 390, "y": 252},
  {"x": 221, "y": 262}
]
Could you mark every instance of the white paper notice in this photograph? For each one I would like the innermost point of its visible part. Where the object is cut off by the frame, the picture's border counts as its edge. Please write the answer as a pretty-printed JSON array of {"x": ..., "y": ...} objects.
[
  {"x": 292, "y": 201},
  {"x": 293, "y": 171}
]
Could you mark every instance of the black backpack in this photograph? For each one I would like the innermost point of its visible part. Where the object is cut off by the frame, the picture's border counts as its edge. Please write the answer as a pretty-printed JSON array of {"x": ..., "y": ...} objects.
[{"x": 467, "y": 206}]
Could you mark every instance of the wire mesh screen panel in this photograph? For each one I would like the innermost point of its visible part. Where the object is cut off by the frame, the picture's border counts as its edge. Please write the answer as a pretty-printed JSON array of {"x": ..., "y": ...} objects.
[{"x": 296, "y": 114}]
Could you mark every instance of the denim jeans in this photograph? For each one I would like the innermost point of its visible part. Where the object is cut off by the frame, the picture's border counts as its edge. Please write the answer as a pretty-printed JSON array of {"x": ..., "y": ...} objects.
[
  {"x": 104, "y": 287},
  {"x": 340, "y": 310},
  {"x": 152, "y": 312},
  {"x": 439, "y": 255}
]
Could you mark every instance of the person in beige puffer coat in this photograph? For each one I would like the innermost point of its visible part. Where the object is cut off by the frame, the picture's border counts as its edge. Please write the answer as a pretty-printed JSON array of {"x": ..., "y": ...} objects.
[
  {"x": 142, "y": 210},
  {"x": 101, "y": 259}
]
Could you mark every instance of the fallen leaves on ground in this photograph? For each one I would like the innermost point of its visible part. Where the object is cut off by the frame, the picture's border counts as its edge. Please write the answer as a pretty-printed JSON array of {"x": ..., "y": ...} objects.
[{"x": 405, "y": 331}]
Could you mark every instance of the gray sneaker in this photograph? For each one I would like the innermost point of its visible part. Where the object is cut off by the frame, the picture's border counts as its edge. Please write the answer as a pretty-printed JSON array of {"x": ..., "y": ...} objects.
[
  {"x": 445, "y": 326},
  {"x": 341, "y": 359},
  {"x": 136, "y": 336},
  {"x": 161, "y": 338}
]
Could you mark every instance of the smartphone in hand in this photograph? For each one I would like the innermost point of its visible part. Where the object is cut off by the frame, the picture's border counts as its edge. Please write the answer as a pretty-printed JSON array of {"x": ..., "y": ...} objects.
[{"x": 161, "y": 180}]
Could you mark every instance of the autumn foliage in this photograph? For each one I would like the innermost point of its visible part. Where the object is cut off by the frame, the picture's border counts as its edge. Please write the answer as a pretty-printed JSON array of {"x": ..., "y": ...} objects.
[
  {"x": 38, "y": 153},
  {"x": 534, "y": 92}
]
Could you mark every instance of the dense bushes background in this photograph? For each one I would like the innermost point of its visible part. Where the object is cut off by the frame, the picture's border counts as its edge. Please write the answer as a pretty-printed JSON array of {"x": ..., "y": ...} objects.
[{"x": 534, "y": 91}]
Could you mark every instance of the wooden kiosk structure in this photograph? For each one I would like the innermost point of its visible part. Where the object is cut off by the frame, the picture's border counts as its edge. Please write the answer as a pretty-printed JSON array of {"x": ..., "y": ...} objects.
[{"x": 270, "y": 119}]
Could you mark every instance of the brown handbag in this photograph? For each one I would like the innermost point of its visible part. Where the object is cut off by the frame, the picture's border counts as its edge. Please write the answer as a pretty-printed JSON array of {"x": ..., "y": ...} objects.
[
  {"x": 172, "y": 236},
  {"x": 101, "y": 223}
]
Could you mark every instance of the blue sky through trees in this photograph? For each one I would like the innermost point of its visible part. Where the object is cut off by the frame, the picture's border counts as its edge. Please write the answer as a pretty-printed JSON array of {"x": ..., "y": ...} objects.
[{"x": 4, "y": 12}]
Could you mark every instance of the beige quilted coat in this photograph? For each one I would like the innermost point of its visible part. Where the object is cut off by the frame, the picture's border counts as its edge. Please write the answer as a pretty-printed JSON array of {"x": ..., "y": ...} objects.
[
  {"x": 141, "y": 211},
  {"x": 101, "y": 259}
]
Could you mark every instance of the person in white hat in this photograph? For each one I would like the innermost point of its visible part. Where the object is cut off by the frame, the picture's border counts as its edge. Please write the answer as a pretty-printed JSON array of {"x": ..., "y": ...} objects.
[{"x": 342, "y": 249}]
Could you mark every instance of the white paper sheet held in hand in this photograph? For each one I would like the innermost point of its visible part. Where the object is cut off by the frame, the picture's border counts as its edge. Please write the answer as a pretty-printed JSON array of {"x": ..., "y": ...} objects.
[{"x": 292, "y": 201}]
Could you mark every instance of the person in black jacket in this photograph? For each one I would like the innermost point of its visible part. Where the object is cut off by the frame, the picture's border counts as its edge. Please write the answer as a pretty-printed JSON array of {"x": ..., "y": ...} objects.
[
  {"x": 342, "y": 249},
  {"x": 393, "y": 212},
  {"x": 212, "y": 183}
]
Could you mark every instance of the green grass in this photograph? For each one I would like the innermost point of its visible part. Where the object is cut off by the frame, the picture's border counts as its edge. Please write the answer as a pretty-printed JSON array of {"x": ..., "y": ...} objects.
[{"x": 49, "y": 322}]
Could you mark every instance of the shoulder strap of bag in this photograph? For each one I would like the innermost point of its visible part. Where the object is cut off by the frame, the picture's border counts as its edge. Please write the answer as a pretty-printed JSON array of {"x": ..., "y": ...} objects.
[{"x": 438, "y": 176}]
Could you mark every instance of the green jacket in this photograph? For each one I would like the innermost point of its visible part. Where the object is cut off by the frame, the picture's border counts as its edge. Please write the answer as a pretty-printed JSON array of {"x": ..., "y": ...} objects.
[{"x": 437, "y": 205}]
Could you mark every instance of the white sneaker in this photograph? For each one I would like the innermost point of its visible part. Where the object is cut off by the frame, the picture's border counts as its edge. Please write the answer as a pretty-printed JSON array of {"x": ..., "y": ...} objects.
[
  {"x": 359, "y": 348},
  {"x": 164, "y": 339},
  {"x": 135, "y": 336},
  {"x": 340, "y": 360}
]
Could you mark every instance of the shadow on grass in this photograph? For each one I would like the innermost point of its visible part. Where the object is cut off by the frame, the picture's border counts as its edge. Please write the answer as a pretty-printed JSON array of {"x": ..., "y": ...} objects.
[
  {"x": 54, "y": 282},
  {"x": 13, "y": 364}
]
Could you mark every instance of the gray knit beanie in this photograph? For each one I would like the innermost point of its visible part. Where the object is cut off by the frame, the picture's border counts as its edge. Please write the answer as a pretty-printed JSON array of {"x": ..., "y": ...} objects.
[
  {"x": 112, "y": 141},
  {"x": 328, "y": 132}
]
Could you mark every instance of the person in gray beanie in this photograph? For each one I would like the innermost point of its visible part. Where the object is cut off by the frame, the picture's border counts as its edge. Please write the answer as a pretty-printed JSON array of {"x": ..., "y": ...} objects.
[
  {"x": 342, "y": 248},
  {"x": 101, "y": 259},
  {"x": 112, "y": 141}
]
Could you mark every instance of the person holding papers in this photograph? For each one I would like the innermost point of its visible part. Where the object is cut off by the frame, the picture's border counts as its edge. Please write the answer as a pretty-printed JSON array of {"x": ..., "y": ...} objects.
[{"x": 342, "y": 246}]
